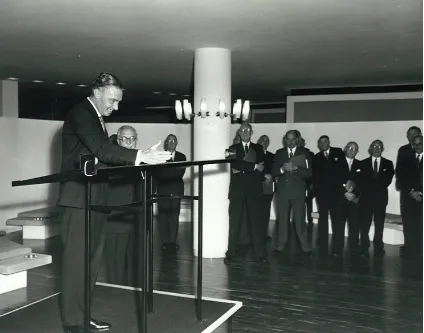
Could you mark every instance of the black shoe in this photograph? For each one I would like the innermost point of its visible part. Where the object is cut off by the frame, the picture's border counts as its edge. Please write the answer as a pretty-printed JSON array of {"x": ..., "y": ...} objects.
[
  {"x": 228, "y": 260},
  {"x": 98, "y": 326},
  {"x": 379, "y": 253},
  {"x": 277, "y": 252},
  {"x": 73, "y": 329},
  {"x": 262, "y": 260}
]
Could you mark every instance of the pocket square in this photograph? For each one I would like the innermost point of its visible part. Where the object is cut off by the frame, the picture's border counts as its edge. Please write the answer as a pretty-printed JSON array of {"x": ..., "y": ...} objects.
[
  {"x": 359, "y": 170},
  {"x": 384, "y": 169},
  {"x": 336, "y": 158}
]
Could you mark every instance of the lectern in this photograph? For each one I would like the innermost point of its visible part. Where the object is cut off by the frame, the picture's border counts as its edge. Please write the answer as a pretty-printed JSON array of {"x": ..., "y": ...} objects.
[{"x": 88, "y": 173}]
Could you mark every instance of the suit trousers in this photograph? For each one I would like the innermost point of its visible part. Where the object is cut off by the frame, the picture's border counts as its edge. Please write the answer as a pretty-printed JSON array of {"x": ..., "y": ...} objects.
[
  {"x": 169, "y": 219},
  {"x": 73, "y": 239},
  {"x": 266, "y": 201},
  {"x": 346, "y": 211},
  {"x": 309, "y": 205},
  {"x": 412, "y": 217},
  {"x": 284, "y": 207},
  {"x": 368, "y": 209},
  {"x": 326, "y": 206},
  {"x": 249, "y": 203}
]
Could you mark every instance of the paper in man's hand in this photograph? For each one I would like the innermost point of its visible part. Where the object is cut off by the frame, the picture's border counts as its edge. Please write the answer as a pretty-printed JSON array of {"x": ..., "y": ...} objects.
[{"x": 250, "y": 156}]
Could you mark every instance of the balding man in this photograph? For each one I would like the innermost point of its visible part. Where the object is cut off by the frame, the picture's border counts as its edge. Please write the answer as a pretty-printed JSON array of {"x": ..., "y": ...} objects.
[
  {"x": 347, "y": 191},
  {"x": 377, "y": 175}
]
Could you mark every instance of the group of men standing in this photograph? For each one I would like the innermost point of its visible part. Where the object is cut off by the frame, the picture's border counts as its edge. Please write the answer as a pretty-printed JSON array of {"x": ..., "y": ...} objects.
[{"x": 346, "y": 189}]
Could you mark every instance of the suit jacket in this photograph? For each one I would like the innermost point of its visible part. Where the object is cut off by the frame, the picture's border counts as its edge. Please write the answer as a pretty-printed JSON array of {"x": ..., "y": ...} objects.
[
  {"x": 268, "y": 162},
  {"x": 375, "y": 188},
  {"x": 311, "y": 157},
  {"x": 82, "y": 134},
  {"x": 344, "y": 175},
  {"x": 409, "y": 175},
  {"x": 291, "y": 185},
  {"x": 324, "y": 170},
  {"x": 170, "y": 181},
  {"x": 248, "y": 179},
  {"x": 404, "y": 152}
]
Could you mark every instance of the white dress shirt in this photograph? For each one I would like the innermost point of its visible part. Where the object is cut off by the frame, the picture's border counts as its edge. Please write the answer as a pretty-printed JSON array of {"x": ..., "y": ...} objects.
[
  {"x": 420, "y": 156},
  {"x": 349, "y": 162}
]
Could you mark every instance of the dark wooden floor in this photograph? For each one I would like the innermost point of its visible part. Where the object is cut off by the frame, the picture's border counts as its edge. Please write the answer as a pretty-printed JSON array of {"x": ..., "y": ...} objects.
[{"x": 294, "y": 294}]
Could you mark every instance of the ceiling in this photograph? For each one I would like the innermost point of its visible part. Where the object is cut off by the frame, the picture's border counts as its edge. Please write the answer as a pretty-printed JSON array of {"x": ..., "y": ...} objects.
[{"x": 277, "y": 45}]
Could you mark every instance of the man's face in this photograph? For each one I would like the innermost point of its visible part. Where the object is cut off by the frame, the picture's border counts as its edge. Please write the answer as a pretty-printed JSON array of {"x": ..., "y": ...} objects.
[
  {"x": 127, "y": 138},
  {"x": 323, "y": 144},
  {"x": 264, "y": 142},
  {"x": 412, "y": 134},
  {"x": 418, "y": 145},
  {"x": 351, "y": 150},
  {"x": 245, "y": 133},
  {"x": 171, "y": 143},
  {"x": 107, "y": 99},
  {"x": 291, "y": 140},
  {"x": 376, "y": 148}
]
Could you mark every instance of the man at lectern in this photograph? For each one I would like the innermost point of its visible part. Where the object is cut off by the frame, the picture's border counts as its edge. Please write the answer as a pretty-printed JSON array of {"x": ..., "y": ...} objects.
[
  {"x": 84, "y": 132},
  {"x": 170, "y": 181},
  {"x": 245, "y": 191}
]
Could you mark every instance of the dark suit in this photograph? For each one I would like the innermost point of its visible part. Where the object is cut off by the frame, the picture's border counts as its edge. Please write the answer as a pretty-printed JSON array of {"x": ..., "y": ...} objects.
[
  {"x": 309, "y": 192},
  {"x": 291, "y": 189},
  {"x": 83, "y": 134},
  {"x": 266, "y": 199},
  {"x": 170, "y": 181},
  {"x": 245, "y": 191},
  {"x": 323, "y": 180},
  {"x": 346, "y": 210},
  {"x": 374, "y": 200},
  {"x": 410, "y": 176}
]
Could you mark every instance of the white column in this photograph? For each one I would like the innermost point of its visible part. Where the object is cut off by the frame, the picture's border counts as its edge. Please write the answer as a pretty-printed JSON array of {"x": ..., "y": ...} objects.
[
  {"x": 212, "y": 81},
  {"x": 9, "y": 106}
]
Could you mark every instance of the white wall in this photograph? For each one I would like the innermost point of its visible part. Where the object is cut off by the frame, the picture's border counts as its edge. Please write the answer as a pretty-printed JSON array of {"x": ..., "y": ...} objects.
[{"x": 32, "y": 148}]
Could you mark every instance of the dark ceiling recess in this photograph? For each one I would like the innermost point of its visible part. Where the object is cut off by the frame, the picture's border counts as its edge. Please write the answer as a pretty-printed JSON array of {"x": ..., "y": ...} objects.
[{"x": 357, "y": 90}]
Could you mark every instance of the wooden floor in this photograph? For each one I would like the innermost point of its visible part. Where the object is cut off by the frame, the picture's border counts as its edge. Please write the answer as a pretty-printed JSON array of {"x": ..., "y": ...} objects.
[{"x": 294, "y": 294}]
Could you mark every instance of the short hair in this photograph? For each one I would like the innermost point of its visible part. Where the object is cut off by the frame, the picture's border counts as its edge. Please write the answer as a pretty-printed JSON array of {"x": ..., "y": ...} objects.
[
  {"x": 248, "y": 124},
  {"x": 262, "y": 137},
  {"x": 298, "y": 133},
  {"x": 419, "y": 136},
  {"x": 414, "y": 128},
  {"x": 106, "y": 80},
  {"x": 126, "y": 127},
  {"x": 324, "y": 137},
  {"x": 169, "y": 135}
]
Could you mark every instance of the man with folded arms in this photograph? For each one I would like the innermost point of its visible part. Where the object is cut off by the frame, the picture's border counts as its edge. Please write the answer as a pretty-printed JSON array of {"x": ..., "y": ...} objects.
[
  {"x": 84, "y": 132},
  {"x": 347, "y": 192},
  {"x": 291, "y": 188},
  {"x": 377, "y": 173},
  {"x": 410, "y": 175}
]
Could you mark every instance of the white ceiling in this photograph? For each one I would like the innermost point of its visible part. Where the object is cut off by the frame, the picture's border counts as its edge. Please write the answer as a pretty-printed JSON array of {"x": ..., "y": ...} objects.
[{"x": 277, "y": 45}]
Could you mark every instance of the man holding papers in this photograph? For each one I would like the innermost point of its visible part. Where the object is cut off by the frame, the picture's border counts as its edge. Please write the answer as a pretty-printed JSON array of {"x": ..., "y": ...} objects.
[{"x": 292, "y": 167}]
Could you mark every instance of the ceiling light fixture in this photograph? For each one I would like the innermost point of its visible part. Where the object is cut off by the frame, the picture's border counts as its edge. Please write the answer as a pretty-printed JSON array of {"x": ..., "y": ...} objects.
[
  {"x": 172, "y": 94},
  {"x": 82, "y": 85},
  {"x": 12, "y": 78},
  {"x": 37, "y": 81},
  {"x": 60, "y": 83},
  {"x": 239, "y": 110},
  {"x": 157, "y": 92}
]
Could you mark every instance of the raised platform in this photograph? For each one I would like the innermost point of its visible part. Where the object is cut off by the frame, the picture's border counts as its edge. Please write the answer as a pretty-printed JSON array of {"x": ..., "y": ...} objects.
[
  {"x": 393, "y": 229},
  {"x": 40, "y": 223},
  {"x": 117, "y": 304}
]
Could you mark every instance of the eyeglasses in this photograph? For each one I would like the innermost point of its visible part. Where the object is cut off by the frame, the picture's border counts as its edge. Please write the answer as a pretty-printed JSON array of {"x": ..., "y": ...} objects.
[
  {"x": 351, "y": 149},
  {"x": 377, "y": 146},
  {"x": 127, "y": 139},
  {"x": 245, "y": 130}
]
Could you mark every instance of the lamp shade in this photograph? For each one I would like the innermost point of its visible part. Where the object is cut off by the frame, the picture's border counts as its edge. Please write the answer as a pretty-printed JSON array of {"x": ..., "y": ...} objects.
[{"x": 178, "y": 110}]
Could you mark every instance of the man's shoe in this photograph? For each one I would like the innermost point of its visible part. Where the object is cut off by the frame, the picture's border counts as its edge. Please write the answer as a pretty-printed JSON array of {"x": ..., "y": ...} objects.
[
  {"x": 98, "y": 326},
  {"x": 262, "y": 260},
  {"x": 73, "y": 329}
]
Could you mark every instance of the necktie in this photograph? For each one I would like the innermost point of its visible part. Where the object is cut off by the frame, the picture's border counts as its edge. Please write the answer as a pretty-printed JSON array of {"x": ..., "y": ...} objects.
[
  {"x": 326, "y": 155},
  {"x": 350, "y": 164},
  {"x": 103, "y": 124},
  {"x": 375, "y": 168},
  {"x": 291, "y": 153},
  {"x": 246, "y": 149}
]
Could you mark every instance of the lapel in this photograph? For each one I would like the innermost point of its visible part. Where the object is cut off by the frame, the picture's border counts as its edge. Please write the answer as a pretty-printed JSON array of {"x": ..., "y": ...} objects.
[
  {"x": 97, "y": 119},
  {"x": 380, "y": 169}
]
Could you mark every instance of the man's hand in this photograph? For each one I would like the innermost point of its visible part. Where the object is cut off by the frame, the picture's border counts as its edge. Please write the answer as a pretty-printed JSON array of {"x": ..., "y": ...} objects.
[
  {"x": 259, "y": 167},
  {"x": 152, "y": 156},
  {"x": 286, "y": 167},
  {"x": 235, "y": 170},
  {"x": 416, "y": 196},
  {"x": 349, "y": 196},
  {"x": 268, "y": 178}
]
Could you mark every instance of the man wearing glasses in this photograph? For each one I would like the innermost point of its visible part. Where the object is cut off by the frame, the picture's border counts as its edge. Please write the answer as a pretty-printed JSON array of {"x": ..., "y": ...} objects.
[{"x": 377, "y": 173}]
